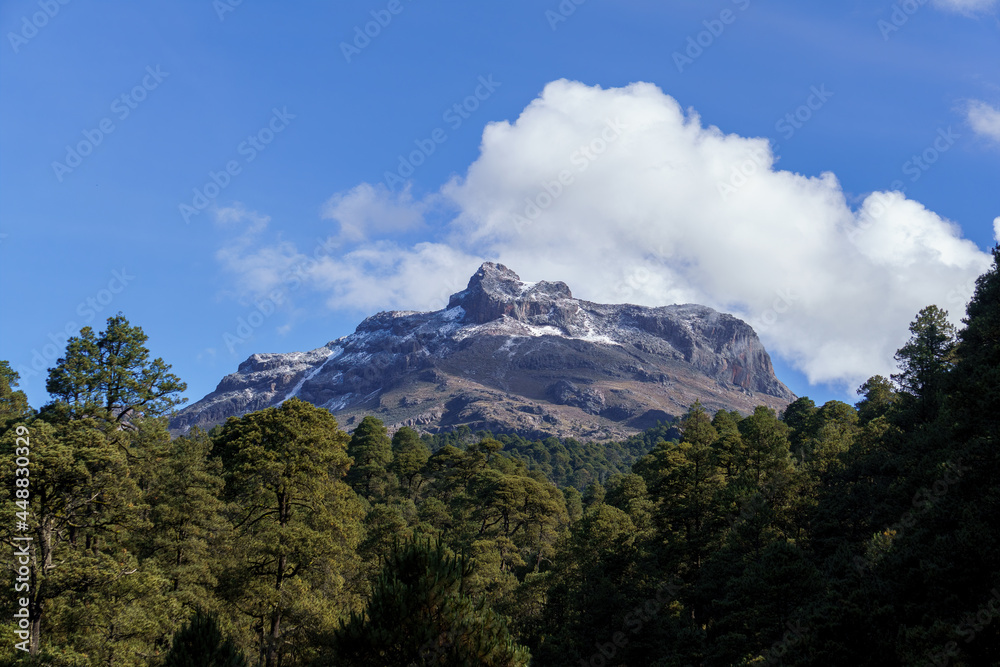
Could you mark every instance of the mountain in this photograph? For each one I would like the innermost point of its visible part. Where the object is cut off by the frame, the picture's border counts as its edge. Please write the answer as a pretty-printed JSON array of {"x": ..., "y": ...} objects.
[{"x": 511, "y": 356}]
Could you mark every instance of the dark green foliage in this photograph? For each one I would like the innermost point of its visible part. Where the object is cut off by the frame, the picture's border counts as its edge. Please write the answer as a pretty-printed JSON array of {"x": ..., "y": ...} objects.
[
  {"x": 574, "y": 503},
  {"x": 13, "y": 403},
  {"x": 798, "y": 415},
  {"x": 409, "y": 456},
  {"x": 832, "y": 535},
  {"x": 566, "y": 462},
  {"x": 879, "y": 396},
  {"x": 293, "y": 567},
  {"x": 109, "y": 376},
  {"x": 82, "y": 507},
  {"x": 183, "y": 489},
  {"x": 371, "y": 452},
  {"x": 924, "y": 363},
  {"x": 830, "y": 431},
  {"x": 419, "y": 613},
  {"x": 592, "y": 585},
  {"x": 594, "y": 494},
  {"x": 928, "y": 354},
  {"x": 908, "y": 523},
  {"x": 200, "y": 644}
]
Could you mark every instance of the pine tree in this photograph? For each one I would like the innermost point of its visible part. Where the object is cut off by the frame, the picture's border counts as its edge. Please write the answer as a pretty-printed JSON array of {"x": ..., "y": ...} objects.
[
  {"x": 975, "y": 385},
  {"x": 598, "y": 577},
  {"x": 831, "y": 432},
  {"x": 409, "y": 458},
  {"x": 766, "y": 455},
  {"x": 200, "y": 644},
  {"x": 925, "y": 360},
  {"x": 574, "y": 503},
  {"x": 684, "y": 479},
  {"x": 187, "y": 516},
  {"x": 909, "y": 524},
  {"x": 419, "y": 613},
  {"x": 878, "y": 397},
  {"x": 799, "y": 416},
  {"x": 109, "y": 376},
  {"x": 293, "y": 562},
  {"x": 82, "y": 504},
  {"x": 13, "y": 403},
  {"x": 371, "y": 450},
  {"x": 729, "y": 443},
  {"x": 87, "y": 506}
]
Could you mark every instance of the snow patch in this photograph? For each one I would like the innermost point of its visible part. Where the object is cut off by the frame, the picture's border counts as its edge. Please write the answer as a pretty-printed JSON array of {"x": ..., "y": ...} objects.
[
  {"x": 338, "y": 405},
  {"x": 547, "y": 330},
  {"x": 591, "y": 337},
  {"x": 331, "y": 355},
  {"x": 509, "y": 346}
]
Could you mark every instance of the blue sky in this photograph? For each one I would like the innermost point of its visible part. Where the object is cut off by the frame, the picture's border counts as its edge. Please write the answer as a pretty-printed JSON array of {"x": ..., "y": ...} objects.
[{"x": 821, "y": 169}]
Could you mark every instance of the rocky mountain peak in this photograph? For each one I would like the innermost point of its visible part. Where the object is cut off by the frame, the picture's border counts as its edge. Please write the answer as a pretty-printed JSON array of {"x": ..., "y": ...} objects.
[
  {"x": 511, "y": 356},
  {"x": 495, "y": 291},
  {"x": 495, "y": 278}
]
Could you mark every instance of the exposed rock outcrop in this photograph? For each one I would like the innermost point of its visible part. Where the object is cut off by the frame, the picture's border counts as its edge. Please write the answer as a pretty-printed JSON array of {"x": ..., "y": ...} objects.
[{"x": 512, "y": 356}]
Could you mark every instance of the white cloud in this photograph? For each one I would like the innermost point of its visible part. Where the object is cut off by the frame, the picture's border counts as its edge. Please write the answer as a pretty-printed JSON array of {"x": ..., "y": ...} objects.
[
  {"x": 996, "y": 230},
  {"x": 259, "y": 269},
  {"x": 384, "y": 275},
  {"x": 659, "y": 211},
  {"x": 984, "y": 119},
  {"x": 362, "y": 277},
  {"x": 370, "y": 210},
  {"x": 966, "y": 7},
  {"x": 237, "y": 216}
]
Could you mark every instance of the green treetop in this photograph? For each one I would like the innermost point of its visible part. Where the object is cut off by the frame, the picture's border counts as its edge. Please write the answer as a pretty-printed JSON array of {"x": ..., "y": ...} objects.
[{"x": 109, "y": 376}]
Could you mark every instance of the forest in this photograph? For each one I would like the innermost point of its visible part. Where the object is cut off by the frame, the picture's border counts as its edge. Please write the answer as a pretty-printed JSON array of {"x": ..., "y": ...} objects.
[{"x": 824, "y": 535}]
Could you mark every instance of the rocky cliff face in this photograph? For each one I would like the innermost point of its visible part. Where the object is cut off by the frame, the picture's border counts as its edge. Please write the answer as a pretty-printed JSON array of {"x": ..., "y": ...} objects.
[{"x": 512, "y": 356}]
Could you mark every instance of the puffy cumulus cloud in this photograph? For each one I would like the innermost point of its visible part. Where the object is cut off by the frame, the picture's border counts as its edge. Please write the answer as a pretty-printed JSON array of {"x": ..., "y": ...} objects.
[
  {"x": 673, "y": 211},
  {"x": 966, "y": 7},
  {"x": 626, "y": 196},
  {"x": 996, "y": 230},
  {"x": 984, "y": 119}
]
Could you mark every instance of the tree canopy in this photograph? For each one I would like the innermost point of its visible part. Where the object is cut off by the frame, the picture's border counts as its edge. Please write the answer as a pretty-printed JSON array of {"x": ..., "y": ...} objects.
[{"x": 827, "y": 535}]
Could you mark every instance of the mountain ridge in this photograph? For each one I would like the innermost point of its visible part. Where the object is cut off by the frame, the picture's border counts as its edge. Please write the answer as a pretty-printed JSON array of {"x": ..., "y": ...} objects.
[{"x": 511, "y": 356}]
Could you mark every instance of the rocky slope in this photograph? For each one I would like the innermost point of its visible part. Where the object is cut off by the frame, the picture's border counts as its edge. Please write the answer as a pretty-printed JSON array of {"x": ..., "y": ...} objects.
[{"x": 512, "y": 356}]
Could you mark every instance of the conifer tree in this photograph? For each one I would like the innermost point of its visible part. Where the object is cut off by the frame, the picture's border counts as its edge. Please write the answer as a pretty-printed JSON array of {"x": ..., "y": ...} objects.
[
  {"x": 766, "y": 453},
  {"x": 81, "y": 504},
  {"x": 925, "y": 360},
  {"x": 13, "y": 403},
  {"x": 371, "y": 450},
  {"x": 293, "y": 568},
  {"x": 109, "y": 376},
  {"x": 200, "y": 644},
  {"x": 729, "y": 443},
  {"x": 187, "y": 516},
  {"x": 409, "y": 457},
  {"x": 419, "y": 613},
  {"x": 799, "y": 416},
  {"x": 878, "y": 396},
  {"x": 86, "y": 497}
]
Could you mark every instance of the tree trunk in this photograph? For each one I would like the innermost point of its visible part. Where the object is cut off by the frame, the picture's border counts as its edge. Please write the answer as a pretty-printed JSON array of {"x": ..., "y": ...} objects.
[
  {"x": 275, "y": 633},
  {"x": 272, "y": 648},
  {"x": 42, "y": 555}
]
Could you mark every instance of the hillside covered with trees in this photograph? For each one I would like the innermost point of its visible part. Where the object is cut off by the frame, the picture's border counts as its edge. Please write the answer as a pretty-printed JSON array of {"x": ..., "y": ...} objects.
[{"x": 827, "y": 535}]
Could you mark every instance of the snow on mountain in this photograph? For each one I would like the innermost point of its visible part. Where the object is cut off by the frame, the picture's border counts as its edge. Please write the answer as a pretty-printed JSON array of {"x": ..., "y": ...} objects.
[{"x": 514, "y": 356}]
